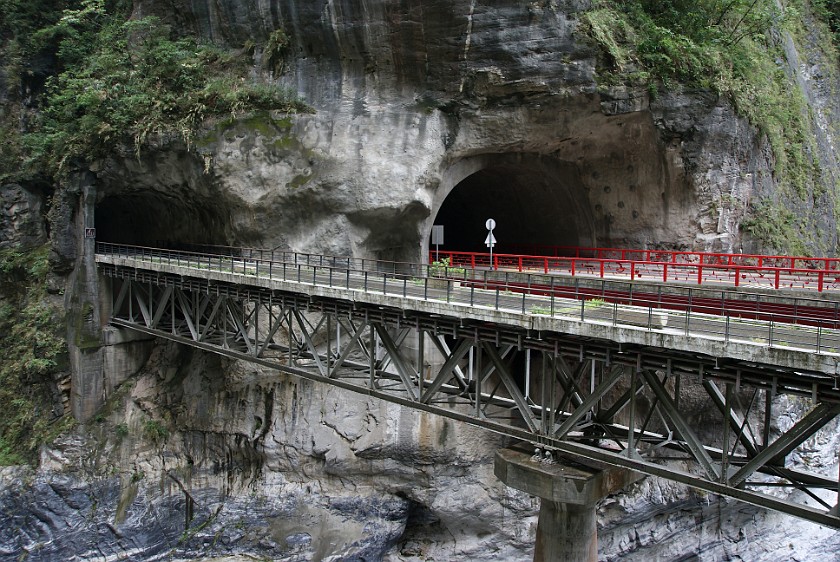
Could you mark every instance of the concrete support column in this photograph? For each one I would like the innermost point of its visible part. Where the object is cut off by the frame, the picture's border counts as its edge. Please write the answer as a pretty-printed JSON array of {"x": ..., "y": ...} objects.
[
  {"x": 566, "y": 531},
  {"x": 84, "y": 319},
  {"x": 567, "y": 528}
]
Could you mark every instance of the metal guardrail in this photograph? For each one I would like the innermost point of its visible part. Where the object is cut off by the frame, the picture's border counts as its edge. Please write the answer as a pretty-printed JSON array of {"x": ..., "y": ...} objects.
[
  {"x": 699, "y": 272},
  {"x": 803, "y": 324},
  {"x": 679, "y": 256}
]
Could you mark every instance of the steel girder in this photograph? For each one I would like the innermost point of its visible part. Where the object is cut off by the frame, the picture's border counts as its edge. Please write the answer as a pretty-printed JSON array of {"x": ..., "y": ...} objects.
[{"x": 597, "y": 401}]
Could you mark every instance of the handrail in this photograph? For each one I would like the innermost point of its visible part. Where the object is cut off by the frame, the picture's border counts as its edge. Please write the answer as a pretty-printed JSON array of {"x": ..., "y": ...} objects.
[
  {"x": 674, "y": 256},
  {"x": 737, "y": 275}
]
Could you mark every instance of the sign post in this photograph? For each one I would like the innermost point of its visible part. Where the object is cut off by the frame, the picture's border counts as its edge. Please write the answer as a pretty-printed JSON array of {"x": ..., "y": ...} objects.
[
  {"x": 437, "y": 239},
  {"x": 490, "y": 241}
]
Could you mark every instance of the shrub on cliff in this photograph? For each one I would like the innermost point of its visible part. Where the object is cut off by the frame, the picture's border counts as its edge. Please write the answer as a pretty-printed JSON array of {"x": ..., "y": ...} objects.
[{"x": 32, "y": 351}]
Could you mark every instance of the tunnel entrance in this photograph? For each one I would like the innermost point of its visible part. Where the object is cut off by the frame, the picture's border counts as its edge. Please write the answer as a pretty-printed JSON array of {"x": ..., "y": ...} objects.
[
  {"x": 535, "y": 201},
  {"x": 160, "y": 220}
]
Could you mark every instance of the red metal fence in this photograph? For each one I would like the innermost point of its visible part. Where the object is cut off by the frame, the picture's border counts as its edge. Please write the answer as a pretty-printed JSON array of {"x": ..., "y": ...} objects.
[{"x": 697, "y": 268}]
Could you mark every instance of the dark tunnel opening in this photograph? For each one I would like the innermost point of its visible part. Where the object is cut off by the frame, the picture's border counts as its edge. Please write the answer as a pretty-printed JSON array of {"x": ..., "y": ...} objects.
[
  {"x": 160, "y": 220},
  {"x": 534, "y": 201}
]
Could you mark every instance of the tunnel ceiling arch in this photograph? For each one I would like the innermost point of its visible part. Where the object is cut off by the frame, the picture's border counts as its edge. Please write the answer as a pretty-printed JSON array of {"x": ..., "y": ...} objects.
[{"x": 535, "y": 200}]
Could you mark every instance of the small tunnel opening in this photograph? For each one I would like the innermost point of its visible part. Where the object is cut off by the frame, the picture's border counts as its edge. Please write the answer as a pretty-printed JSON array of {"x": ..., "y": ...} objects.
[
  {"x": 534, "y": 201},
  {"x": 160, "y": 220}
]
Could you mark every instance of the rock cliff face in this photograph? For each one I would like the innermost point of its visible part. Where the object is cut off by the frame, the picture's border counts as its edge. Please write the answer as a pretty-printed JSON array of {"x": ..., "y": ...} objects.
[
  {"x": 426, "y": 112},
  {"x": 440, "y": 112}
]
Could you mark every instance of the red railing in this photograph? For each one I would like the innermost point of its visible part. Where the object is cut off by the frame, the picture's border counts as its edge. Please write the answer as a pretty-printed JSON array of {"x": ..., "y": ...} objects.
[
  {"x": 681, "y": 257},
  {"x": 703, "y": 271}
]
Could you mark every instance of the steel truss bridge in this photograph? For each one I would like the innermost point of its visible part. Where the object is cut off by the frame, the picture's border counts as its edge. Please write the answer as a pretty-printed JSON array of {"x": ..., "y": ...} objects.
[{"x": 602, "y": 383}]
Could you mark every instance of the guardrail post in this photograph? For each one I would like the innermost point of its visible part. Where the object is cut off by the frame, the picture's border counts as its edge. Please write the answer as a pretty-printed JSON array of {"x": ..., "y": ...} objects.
[
  {"x": 551, "y": 293},
  {"x": 819, "y": 337},
  {"x": 778, "y": 276},
  {"x": 699, "y": 274},
  {"x": 820, "y": 280}
]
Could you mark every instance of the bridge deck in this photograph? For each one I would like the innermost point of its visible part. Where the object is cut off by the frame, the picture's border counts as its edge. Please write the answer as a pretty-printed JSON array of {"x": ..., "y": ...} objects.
[{"x": 769, "y": 339}]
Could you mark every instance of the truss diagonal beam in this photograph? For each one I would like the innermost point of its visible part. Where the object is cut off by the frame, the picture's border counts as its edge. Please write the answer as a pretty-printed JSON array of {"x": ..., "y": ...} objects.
[
  {"x": 397, "y": 359},
  {"x": 790, "y": 440},
  {"x": 516, "y": 394},
  {"x": 121, "y": 296},
  {"x": 444, "y": 350},
  {"x": 275, "y": 322},
  {"x": 353, "y": 342},
  {"x": 162, "y": 305},
  {"x": 188, "y": 317},
  {"x": 446, "y": 371},
  {"x": 217, "y": 305},
  {"x": 690, "y": 438},
  {"x": 736, "y": 423},
  {"x": 614, "y": 376},
  {"x": 309, "y": 343}
]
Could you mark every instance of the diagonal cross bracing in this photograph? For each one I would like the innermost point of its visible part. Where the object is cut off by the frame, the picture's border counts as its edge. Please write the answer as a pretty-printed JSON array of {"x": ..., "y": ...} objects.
[{"x": 342, "y": 327}]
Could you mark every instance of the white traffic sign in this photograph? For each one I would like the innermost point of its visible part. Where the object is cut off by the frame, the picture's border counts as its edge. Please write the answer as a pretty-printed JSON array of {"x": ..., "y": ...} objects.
[
  {"x": 490, "y": 241},
  {"x": 437, "y": 234},
  {"x": 437, "y": 239}
]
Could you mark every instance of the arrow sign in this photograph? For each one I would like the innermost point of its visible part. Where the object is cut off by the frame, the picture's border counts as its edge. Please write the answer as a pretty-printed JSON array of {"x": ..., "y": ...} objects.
[{"x": 490, "y": 241}]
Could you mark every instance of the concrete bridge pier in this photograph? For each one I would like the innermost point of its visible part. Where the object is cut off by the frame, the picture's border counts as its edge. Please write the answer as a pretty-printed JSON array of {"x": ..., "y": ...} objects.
[{"x": 567, "y": 528}]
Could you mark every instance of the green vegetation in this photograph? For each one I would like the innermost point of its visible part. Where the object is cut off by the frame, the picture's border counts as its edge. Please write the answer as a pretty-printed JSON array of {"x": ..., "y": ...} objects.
[
  {"x": 734, "y": 48},
  {"x": 829, "y": 11},
  {"x": 155, "y": 431},
  {"x": 777, "y": 226},
  {"x": 119, "y": 84},
  {"x": 32, "y": 351},
  {"x": 443, "y": 268}
]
